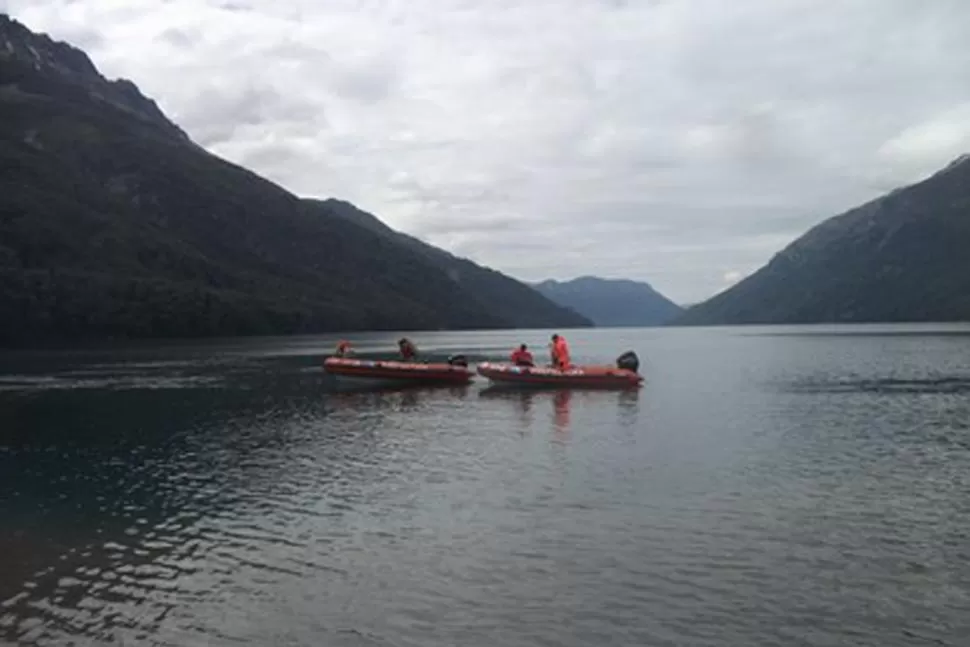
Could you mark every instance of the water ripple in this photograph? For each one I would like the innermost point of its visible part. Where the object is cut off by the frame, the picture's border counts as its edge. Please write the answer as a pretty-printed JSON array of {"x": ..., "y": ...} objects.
[{"x": 815, "y": 496}]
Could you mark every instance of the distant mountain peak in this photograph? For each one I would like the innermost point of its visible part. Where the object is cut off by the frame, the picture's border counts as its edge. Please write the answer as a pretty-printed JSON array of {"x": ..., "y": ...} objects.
[
  {"x": 43, "y": 52},
  {"x": 590, "y": 280},
  {"x": 611, "y": 302},
  {"x": 47, "y": 56},
  {"x": 959, "y": 161}
]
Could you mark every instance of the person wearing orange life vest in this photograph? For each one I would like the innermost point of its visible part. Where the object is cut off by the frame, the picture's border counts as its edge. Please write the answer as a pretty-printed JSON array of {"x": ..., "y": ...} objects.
[
  {"x": 559, "y": 351},
  {"x": 522, "y": 357}
]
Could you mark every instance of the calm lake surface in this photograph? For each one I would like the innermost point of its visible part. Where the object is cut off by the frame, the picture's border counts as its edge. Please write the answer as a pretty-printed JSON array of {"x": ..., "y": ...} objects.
[{"x": 777, "y": 486}]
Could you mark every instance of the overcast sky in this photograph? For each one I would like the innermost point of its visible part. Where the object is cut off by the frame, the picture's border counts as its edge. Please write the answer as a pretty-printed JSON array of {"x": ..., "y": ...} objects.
[{"x": 676, "y": 141}]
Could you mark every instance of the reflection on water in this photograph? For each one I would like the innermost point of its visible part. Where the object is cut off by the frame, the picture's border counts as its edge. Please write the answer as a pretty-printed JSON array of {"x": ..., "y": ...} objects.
[
  {"x": 941, "y": 384},
  {"x": 759, "y": 490},
  {"x": 559, "y": 403}
]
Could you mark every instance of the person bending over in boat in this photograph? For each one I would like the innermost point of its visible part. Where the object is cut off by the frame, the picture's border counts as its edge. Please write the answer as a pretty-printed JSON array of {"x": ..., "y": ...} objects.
[
  {"x": 559, "y": 350},
  {"x": 407, "y": 349},
  {"x": 522, "y": 357},
  {"x": 344, "y": 349}
]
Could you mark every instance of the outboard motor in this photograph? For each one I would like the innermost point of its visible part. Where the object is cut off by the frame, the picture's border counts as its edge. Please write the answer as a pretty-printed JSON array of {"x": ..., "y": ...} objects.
[
  {"x": 458, "y": 360},
  {"x": 628, "y": 361}
]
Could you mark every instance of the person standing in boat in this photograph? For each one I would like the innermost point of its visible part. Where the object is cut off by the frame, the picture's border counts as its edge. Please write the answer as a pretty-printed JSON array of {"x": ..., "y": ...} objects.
[
  {"x": 344, "y": 349},
  {"x": 407, "y": 349},
  {"x": 559, "y": 350},
  {"x": 522, "y": 357}
]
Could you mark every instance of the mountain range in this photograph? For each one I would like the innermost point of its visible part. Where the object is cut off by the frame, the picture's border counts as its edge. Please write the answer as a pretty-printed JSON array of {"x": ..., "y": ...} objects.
[
  {"x": 903, "y": 257},
  {"x": 113, "y": 223},
  {"x": 612, "y": 302}
]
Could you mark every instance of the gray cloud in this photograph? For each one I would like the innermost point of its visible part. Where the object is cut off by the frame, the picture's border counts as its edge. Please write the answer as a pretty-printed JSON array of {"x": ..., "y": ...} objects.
[
  {"x": 177, "y": 37},
  {"x": 678, "y": 142}
]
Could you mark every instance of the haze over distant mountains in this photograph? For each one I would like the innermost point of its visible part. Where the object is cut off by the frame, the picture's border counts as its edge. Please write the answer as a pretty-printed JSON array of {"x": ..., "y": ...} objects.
[
  {"x": 904, "y": 257},
  {"x": 612, "y": 302},
  {"x": 113, "y": 223}
]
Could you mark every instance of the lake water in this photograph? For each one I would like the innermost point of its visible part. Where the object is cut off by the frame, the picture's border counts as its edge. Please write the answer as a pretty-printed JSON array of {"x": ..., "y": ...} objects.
[{"x": 785, "y": 486}]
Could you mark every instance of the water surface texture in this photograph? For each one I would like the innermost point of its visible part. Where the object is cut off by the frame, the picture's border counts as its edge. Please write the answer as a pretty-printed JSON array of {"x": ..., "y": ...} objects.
[{"x": 784, "y": 486}]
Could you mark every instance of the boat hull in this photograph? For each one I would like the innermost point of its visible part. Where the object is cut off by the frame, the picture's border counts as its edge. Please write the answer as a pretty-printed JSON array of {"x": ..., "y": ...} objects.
[
  {"x": 397, "y": 372},
  {"x": 590, "y": 377}
]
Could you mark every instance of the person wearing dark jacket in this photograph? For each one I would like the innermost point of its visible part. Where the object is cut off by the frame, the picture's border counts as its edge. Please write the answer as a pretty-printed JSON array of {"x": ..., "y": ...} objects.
[{"x": 407, "y": 349}]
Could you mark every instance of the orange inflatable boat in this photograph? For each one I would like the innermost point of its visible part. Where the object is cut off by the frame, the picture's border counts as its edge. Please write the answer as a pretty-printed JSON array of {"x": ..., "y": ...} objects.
[
  {"x": 623, "y": 375},
  {"x": 390, "y": 370}
]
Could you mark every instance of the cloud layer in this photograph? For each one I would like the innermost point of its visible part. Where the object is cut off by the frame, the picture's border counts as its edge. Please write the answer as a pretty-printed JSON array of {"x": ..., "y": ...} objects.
[{"x": 680, "y": 142}]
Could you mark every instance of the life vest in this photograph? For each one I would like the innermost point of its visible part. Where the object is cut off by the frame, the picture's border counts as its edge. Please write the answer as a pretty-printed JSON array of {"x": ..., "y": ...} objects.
[{"x": 560, "y": 351}]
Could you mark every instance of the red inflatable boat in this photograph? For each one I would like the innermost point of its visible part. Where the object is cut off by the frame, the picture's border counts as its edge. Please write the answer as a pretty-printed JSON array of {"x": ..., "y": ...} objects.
[
  {"x": 417, "y": 372},
  {"x": 609, "y": 377}
]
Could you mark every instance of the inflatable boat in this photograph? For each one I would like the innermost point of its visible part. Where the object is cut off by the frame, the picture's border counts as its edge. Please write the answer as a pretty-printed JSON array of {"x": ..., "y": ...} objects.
[
  {"x": 623, "y": 375},
  {"x": 455, "y": 371}
]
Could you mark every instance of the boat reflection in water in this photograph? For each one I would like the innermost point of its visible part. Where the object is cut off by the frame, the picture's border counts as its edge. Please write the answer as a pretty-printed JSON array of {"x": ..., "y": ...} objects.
[
  {"x": 400, "y": 396},
  {"x": 565, "y": 404}
]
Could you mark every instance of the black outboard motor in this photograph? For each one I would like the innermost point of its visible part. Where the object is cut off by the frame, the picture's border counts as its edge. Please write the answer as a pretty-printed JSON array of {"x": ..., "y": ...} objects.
[
  {"x": 628, "y": 361},
  {"x": 458, "y": 360}
]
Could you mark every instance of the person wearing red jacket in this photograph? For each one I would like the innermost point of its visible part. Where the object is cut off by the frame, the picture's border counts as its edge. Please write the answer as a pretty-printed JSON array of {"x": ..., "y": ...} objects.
[{"x": 522, "y": 357}]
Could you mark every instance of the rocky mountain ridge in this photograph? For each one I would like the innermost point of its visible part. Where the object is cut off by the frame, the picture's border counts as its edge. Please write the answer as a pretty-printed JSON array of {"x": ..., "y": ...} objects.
[
  {"x": 901, "y": 257},
  {"x": 113, "y": 223}
]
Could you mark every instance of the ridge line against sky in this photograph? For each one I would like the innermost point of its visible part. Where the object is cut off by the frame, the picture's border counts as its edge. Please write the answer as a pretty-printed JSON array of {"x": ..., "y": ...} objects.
[{"x": 677, "y": 142}]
